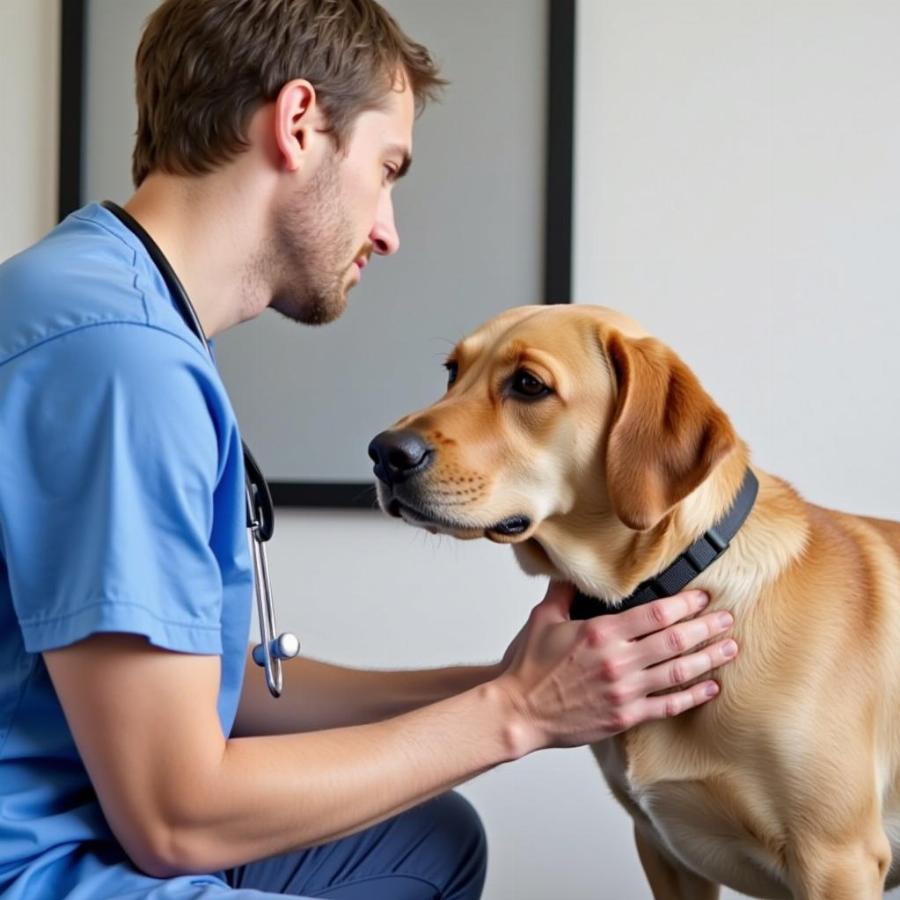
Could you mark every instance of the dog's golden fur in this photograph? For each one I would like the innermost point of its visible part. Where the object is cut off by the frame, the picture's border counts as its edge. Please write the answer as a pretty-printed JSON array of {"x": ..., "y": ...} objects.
[{"x": 786, "y": 785}]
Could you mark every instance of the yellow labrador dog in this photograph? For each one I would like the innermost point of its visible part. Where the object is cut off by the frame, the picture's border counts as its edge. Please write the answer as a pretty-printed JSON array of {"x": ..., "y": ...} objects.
[{"x": 593, "y": 450}]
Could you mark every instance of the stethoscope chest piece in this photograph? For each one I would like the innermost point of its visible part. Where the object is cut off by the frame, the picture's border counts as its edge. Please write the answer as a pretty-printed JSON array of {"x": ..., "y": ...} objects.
[{"x": 273, "y": 647}]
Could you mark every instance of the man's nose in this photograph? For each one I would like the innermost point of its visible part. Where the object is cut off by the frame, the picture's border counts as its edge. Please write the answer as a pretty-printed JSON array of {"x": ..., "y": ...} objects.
[
  {"x": 399, "y": 454},
  {"x": 384, "y": 237}
]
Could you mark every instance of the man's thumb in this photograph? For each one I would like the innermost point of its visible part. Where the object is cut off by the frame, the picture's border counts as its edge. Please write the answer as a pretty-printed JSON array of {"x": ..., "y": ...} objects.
[{"x": 557, "y": 601}]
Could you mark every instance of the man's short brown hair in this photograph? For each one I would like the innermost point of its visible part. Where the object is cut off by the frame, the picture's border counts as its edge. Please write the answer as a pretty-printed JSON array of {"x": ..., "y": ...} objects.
[{"x": 204, "y": 67}]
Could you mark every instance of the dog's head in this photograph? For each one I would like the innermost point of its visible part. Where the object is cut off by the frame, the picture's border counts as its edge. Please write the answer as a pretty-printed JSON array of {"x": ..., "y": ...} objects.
[{"x": 554, "y": 417}]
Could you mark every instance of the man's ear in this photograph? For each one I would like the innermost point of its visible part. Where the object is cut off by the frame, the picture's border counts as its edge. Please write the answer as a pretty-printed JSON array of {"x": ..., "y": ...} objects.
[
  {"x": 298, "y": 116},
  {"x": 666, "y": 434}
]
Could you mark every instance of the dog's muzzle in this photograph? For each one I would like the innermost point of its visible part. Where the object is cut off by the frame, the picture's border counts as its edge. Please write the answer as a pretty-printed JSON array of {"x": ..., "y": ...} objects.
[{"x": 399, "y": 455}]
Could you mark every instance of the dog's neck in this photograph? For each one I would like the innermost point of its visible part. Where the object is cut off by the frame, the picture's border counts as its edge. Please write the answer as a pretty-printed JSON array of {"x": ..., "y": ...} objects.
[
  {"x": 607, "y": 560},
  {"x": 687, "y": 566}
]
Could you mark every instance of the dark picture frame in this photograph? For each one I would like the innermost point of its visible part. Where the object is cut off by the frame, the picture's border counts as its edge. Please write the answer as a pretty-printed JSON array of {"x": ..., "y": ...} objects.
[{"x": 558, "y": 192}]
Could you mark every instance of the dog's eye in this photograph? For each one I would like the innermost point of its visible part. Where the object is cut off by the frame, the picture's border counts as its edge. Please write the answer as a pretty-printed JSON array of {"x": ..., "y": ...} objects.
[
  {"x": 526, "y": 385},
  {"x": 452, "y": 368}
]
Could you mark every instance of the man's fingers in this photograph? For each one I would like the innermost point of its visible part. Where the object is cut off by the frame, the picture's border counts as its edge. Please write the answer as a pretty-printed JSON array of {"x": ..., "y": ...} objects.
[
  {"x": 673, "y": 704},
  {"x": 680, "y": 638},
  {"x": 678, "y": 672},
  {"x": 659, "y": 614}
]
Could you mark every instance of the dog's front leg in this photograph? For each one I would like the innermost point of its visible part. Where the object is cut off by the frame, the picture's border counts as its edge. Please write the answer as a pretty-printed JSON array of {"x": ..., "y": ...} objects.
[
  {"x": 849, "y": 871},
  {"x": 668, "y": 879}
]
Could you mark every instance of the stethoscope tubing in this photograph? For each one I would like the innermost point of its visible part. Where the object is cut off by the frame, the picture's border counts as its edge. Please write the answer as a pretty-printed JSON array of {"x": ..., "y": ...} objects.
[{"x": 260, "y": 509}]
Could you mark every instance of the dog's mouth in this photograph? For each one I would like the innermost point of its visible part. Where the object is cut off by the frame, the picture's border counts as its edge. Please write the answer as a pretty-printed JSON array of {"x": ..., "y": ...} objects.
[{"x": 507, "y": 531}]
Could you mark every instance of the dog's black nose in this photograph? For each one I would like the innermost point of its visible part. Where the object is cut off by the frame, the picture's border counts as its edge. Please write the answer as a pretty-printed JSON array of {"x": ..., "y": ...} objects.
[{"x": 399, "y": 454}]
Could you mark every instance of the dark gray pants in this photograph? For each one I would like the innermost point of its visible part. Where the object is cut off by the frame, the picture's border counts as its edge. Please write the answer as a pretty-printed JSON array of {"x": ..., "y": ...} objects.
[{"x": 436, "y": 851}]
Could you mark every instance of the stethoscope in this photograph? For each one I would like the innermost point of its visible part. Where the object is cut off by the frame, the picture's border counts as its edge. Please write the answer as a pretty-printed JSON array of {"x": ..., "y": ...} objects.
[{"x": 273, "y": 647}]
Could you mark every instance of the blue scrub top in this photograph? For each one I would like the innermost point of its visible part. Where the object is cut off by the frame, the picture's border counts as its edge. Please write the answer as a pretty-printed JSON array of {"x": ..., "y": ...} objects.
[{"x": 121, "y": 509}]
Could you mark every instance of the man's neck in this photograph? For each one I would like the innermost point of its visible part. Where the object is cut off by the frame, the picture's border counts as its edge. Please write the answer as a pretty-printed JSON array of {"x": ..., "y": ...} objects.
[{"x": 210, "y": 229}]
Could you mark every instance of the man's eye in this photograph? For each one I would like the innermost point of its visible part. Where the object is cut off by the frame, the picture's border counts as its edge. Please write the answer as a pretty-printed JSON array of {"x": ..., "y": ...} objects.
[
  {"x": 524, "y": 384},
  {"x": 390, "y": 173},
  {"x": 452, "y": 371}
]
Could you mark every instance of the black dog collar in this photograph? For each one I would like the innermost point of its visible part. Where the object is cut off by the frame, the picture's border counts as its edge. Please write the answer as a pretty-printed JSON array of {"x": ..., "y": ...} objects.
[{"x": 699, "y": 556}]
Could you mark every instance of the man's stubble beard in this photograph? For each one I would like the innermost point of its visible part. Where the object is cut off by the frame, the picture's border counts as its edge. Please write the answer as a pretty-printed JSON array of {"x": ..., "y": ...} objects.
[{"x": 311, "y": 250}]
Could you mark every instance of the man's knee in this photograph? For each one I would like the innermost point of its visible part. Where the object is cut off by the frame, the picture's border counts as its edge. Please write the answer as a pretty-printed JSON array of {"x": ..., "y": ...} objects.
[
  {"x": 463, "y": 820},
  {"x": 463, "y": 842}
]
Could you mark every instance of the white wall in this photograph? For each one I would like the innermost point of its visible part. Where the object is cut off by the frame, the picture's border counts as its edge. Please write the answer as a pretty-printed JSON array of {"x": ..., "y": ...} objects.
[
  {"x": 738, "y": 188},
  {"x": 29, "y": 113},
  {"x": 738, "y": 192}
]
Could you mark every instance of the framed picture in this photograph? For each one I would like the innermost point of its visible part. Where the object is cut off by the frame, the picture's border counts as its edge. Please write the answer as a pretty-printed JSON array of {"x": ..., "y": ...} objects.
[{"x": 484, "y": 217}]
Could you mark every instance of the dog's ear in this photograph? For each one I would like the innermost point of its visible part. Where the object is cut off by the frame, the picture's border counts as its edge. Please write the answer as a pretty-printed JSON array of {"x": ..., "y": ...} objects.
[{"x": 666, "y": 433}]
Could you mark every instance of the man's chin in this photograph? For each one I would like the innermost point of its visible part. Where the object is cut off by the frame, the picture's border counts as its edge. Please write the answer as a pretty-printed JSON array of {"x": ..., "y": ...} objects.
[
  {"x": 324, "y": 315},
  {"x": 319, "y": 311}
]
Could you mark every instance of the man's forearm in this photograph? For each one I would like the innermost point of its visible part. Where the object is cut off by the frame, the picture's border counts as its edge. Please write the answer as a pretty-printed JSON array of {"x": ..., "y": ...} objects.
[
  {"x": 180, "y": 796},
  {"x": 318, "y": 695},
  {"x": 273, "y": 794}
]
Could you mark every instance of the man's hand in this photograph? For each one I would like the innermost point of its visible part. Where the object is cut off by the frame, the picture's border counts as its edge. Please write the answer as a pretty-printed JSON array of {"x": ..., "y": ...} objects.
[{"x": 580, "y": 682}]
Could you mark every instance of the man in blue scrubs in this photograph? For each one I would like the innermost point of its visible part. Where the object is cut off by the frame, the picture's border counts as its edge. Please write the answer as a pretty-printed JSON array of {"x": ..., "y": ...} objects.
[{"x": 136, "y": 761}]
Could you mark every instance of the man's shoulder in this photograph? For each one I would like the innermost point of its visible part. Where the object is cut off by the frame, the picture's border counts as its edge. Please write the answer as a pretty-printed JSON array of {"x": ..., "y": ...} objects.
[{"x": 83, "y": 273}]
